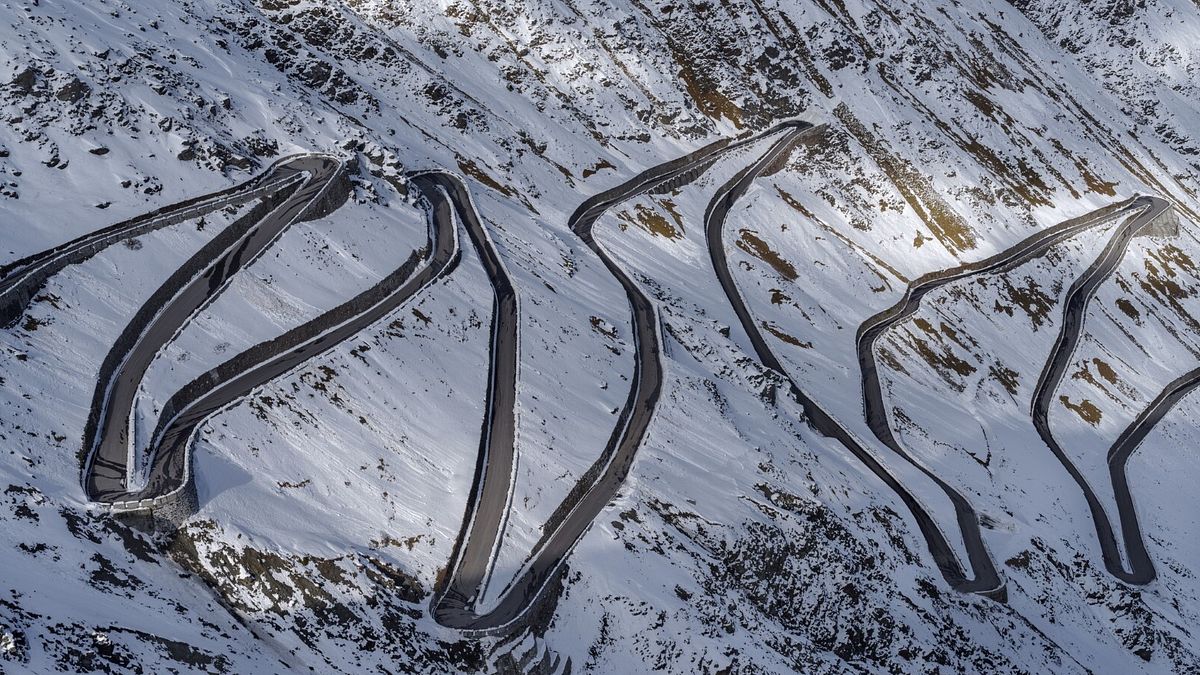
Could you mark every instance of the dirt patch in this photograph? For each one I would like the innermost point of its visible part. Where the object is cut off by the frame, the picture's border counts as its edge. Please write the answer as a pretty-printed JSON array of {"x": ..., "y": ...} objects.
[
  {"x": 604, "y": 328},
  {"x": 469, "y": 167},
  {"x": 1086, "y": 410},
  {"x": 1129, "y": 310},
  {"x": 597, "y": 167},
  {"x": 1170, "y": 278},
  {"x": 1007, "y": 377},
  {"x": 913, "y": 186},
  {"x": 1106, "y": 371},
  {"x": 795, "y": 204},
  {"x": 1034, "y": 301},
  {"x": 790, "y": 339},
  {"x": 1091, "y": 180},
  {"x": 943, "y": 359},
  {"x": 708, "y": 98},
  {"x": 889, "y": 359},
  {"x": 750, "y": 243},
  {"x": 653, "y": 221},
  {"x": 1107, "y": 374}
]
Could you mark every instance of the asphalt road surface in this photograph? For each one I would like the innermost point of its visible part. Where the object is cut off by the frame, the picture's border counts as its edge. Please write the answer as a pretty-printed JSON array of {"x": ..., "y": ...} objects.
[
  {"x": 1141, "y": 568},
  {"x": 20, "y": 280},
  {"x": 224, "y": 386},
  {"x": 986, "y": 582},
  {"x": 108, "y": 466},
  {"x": 1128, "y": 441},
  {"x": 1034, "y": 246},
  {"x": 875, "y": 410},
  {"x": 106, "y": 475},
  {"x": 600, "y": 485},
  {"x": 487, "y": 505}
]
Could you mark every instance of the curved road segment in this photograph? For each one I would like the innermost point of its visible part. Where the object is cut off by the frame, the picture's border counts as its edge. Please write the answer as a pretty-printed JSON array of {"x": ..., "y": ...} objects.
[
  {"x": 1128, "y": 441},
  {"x": 452, "y": 607},
  {"x": 488, "y": 503},
  {"x": 170, "y": 447},
  {"x": 1141, "y": 568},
  {"x": 108, "y": 467},
  {"x": 20, "y": 280},
  {"x": 1033, "y": 246},
  {"x": 876, "y": 413},
  {"x": 236, "y": 378},
  {"x": 986, "y": 582},
  {"x": 108, "y": 440}
]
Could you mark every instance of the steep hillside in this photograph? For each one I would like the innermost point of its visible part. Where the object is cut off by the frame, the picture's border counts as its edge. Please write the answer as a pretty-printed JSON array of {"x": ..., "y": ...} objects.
[{"x": 332, "y": 500}]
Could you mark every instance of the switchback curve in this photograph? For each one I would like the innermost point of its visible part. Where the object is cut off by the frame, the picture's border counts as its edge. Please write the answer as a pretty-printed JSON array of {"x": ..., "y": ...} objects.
[
  {"x": 987, "y": 581},
  {"x": 599, "y": 484},
  {"x": 107, "y": 438},
  {"x": 1141, "y": 567}
]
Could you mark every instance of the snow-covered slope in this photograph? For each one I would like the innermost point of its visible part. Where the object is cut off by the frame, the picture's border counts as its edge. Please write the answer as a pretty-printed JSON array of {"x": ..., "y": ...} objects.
[{"x": 742, "y": 541}]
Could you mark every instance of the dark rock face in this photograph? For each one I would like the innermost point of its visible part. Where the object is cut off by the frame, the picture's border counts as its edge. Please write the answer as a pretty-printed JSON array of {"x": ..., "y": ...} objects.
[{"x": 322, "y": 600}]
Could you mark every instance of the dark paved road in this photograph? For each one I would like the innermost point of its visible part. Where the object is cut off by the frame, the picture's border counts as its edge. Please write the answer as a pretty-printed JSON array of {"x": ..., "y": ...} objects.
[
  {"x": 1127, "y": 442},
  {"x": 487, "y": 505},
  {"x": 986, "y": 581},
  {"x": 1141, "y": 568},
  {"x": 20, "y": 280},
  {"x": 109, "y": 447},
  {"x": 238, "y": 377},
  {"x": 1033, "y": 246},
  {"x": 107, "y": 470},
  {"x": 875, "y": 410},
  {"x": 598, "y": 487}
]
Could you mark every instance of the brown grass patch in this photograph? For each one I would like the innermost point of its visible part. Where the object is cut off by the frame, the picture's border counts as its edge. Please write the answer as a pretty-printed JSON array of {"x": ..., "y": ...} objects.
[
  {"x": 597, "y": 167},
  {"x": 1007, "y": 377},
  {"x": 947, "y": 359},
  {"x": 1086, "y": 410},
  {"x": 469, "y": 167},
  {"x": 708, "y": 98},
  {"x": 750, "y": 243},
  {"x": 790, "y": 339},
  {"x": 913, "y": 186},
  {"x": 1130, "y": 311},
  {"x": 653, "y": 221},
  {"x": 1035, "y": 302}
]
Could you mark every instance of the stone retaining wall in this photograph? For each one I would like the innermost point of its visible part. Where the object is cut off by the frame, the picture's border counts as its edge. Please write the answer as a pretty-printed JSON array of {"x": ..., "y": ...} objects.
[{"x": 1165, "y": 224}]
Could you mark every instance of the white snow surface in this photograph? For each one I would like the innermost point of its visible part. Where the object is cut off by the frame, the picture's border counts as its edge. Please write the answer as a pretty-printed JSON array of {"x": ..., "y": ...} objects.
[{"x": 742, "y": 541}]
